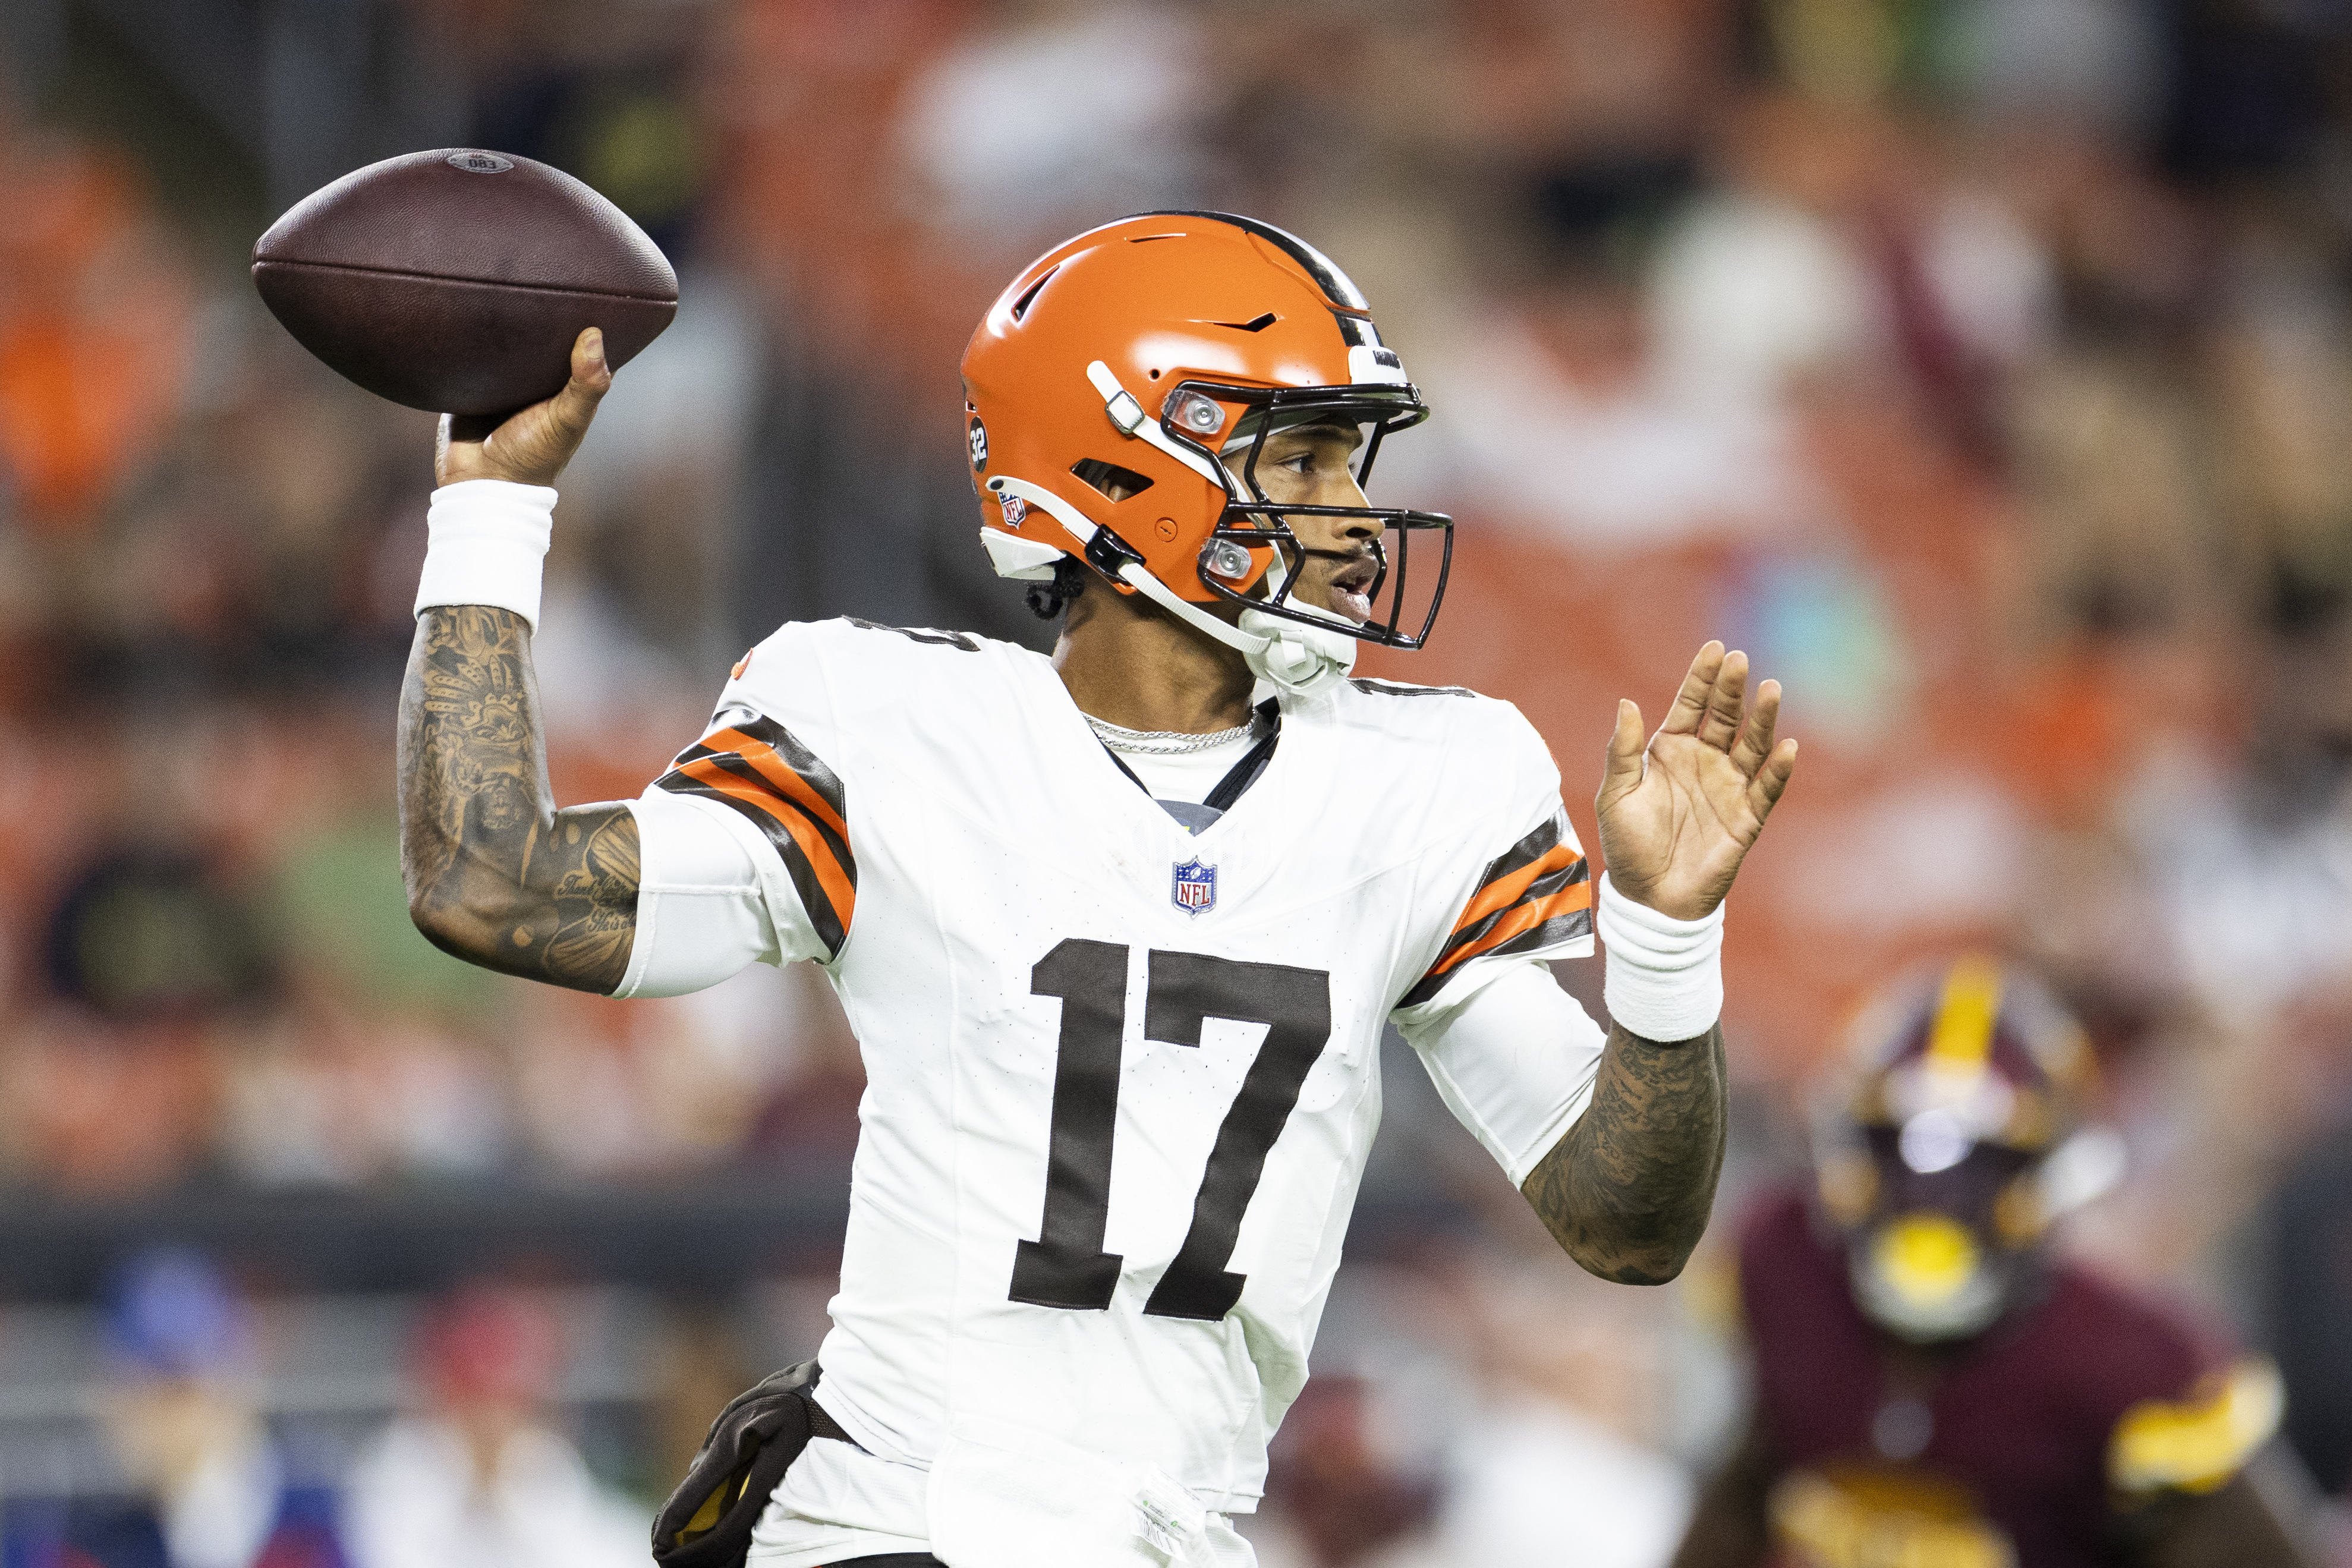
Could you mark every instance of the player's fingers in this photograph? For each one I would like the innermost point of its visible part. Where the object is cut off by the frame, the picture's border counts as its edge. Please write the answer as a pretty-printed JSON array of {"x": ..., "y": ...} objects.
[
  {"x": 1764, "y": 790},
  {"x": 1690, "y": 702},
  {"x": 1726, "y": 702},
  {"x": 591, "y": 378},
  {"x": 1755, "y": 742},
  {"x": 1620, "y": 770},
  {"x": 588, "y": 366}
]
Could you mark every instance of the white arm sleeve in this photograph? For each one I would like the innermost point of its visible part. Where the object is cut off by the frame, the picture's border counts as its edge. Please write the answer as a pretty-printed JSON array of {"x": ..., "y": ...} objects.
[
  {"x": 1513, "y": 1055},
  {"x": 702, "y": 902}
]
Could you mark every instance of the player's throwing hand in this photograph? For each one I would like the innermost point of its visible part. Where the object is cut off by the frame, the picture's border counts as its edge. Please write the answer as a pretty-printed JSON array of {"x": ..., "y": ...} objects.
[
  {"x": 1678, "y": 815},
  {"x": 530, "y": 445}
]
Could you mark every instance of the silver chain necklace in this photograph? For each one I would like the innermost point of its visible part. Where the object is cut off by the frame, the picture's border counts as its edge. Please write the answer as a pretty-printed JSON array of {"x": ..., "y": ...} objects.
[{"x": 1165, "y": 742}]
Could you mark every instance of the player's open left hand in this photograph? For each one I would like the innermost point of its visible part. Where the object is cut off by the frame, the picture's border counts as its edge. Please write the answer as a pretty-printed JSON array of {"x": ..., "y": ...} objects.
[
  {"x": 1678, "y": 815},
  {"x": 531, "y": 445}
]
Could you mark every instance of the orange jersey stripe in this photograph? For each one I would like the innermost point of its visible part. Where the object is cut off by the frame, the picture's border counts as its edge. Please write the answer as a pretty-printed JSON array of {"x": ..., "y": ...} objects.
[
  {"x": 1505, "y": 890},
  {"x": 1566, "y": 901},
  {"x": 787, "y": 779},
  {"x": 838, "y": 888}
]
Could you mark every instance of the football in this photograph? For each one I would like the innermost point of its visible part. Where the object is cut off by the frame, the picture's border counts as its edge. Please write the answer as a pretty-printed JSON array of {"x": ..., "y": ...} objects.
[{"x": 456, "y": 280}]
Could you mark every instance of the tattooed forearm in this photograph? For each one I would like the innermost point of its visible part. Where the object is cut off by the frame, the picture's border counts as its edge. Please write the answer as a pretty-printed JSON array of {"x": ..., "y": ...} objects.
[
  {"x": 496, "y": 874},
  {"x": 1627, "y": 1191}
]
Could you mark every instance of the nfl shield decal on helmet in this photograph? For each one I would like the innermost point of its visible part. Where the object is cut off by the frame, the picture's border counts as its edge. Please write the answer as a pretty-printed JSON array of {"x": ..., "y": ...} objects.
[{"x": 1195, "y": 888}]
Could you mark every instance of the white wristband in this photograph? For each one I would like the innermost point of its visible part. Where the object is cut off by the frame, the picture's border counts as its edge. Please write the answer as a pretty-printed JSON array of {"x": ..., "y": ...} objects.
[
  {"x": 1665, "y": 978},
  {"x": 485, "y": 541}
]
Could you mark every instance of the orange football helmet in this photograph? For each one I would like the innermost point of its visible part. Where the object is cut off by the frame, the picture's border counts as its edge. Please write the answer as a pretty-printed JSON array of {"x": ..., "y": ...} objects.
[{"x": 1116, "y": 398}]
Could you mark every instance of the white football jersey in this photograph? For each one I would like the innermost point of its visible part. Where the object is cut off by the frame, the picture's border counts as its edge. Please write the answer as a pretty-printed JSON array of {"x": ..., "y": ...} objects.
[{"x": 1122, "y": 1078}]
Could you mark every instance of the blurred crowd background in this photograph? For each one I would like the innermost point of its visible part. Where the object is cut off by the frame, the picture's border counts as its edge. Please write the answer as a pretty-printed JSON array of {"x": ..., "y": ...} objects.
[{"x": 1984, "y": 367}]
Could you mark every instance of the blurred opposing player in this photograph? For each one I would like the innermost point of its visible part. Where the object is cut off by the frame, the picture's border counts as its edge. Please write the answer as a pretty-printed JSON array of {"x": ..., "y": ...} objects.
[
  {"x": 1119, "y": 944},
  {"x": 1933, "y": 1384}
]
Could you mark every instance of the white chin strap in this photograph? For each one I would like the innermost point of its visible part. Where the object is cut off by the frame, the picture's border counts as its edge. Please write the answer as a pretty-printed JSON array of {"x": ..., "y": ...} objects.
[{"x": 1296, "y": 660}]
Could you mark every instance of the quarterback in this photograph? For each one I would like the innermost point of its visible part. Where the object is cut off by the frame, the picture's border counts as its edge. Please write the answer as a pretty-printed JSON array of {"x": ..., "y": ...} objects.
[{"x": 1118, "y": 930}]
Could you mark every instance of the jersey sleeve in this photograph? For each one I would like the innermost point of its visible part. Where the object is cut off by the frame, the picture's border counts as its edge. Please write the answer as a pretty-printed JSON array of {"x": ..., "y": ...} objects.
[
  {"x": 704, "y": 909},
  {"x": 1532, "y": 900},
  {"x": 746, "y": 840},
  {"x": 1513, "y": 1055},
  {"x": 753, "y": 767}
]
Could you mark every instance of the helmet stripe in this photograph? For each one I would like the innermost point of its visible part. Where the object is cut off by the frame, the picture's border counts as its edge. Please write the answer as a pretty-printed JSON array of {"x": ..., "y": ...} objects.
[{"x": 1961, "y": 1037}]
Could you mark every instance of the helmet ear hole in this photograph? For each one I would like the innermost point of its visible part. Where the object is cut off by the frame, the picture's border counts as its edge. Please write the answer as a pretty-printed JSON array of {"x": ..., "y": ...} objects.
[{"x": 1113, "y": 482}]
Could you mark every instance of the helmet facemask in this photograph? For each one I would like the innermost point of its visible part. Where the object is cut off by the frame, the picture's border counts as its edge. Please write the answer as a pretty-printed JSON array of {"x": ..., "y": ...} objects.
[
  {"x": 1253, "y": 543},
  {"x": 1934, "y": 1260}
]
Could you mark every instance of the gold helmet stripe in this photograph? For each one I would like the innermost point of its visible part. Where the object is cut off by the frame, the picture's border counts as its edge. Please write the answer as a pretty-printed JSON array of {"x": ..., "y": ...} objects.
[{"x": 1960, "y": 1038}]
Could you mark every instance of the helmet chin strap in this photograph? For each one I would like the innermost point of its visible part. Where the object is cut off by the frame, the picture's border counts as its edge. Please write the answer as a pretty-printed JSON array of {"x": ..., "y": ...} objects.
[{"x": 1296, "y": 660}]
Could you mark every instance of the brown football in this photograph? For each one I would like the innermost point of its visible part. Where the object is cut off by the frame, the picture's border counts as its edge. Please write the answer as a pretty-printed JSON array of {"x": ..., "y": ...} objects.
[{"x": 456, "y": 280}]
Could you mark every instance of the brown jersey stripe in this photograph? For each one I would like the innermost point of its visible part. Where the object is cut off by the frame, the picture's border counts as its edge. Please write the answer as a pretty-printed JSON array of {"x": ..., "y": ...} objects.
[
  {"x": 1545, "y": 847},
  {"x": 1561, "y": 905},
  {"x": 1539, "y": 842},
  {"x": 1529, "y": 928},
  {"x": 826, "y": 850},
  {"x": 737, "y": 777},
  {"x": 1557, "y": 928},
  {"x": 1534, "y": 890},
  {"x": 766, "y": 732},
  {"x": 770, "y": 765},
  {"x": 1502, "y": 925},
  {"x": 1539, "y": 885},
  {"x": 762, "y": 751},
  {"x": 1510, "y": 888},
  {"x": 798, "y": 804},
  {"x": 805, "y": 844},
  {"x": 823, "y": 887}
]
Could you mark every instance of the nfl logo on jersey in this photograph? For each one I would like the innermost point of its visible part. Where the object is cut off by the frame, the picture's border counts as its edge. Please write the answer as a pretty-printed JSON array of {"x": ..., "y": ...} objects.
[{"x": 1195, "y": 890}]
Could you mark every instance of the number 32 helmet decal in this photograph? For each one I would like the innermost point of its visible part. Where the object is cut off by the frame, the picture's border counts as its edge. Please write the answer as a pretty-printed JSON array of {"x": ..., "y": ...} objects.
[{"x": 1129, "y": 379}]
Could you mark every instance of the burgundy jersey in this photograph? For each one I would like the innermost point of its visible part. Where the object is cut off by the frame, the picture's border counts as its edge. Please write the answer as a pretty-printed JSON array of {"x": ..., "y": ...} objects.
[{"x": 2005, "y": 1460}]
